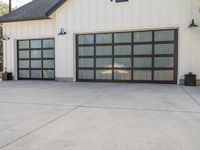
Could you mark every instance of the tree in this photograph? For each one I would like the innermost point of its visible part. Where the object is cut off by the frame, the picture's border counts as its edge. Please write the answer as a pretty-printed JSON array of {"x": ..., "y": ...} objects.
[{"x": 4, "y": 9}]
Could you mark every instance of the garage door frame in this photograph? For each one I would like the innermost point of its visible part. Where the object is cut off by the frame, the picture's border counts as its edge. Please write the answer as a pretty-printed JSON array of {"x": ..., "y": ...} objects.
[
  {"x": 175, "y": 56},
  {"x": 29, "y": 59}
]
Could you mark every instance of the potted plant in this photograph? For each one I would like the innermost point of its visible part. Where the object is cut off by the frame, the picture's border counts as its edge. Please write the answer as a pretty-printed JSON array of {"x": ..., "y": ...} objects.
[
  {"x": 190, "y": 79},
  {"x": 6, "y": 75}
]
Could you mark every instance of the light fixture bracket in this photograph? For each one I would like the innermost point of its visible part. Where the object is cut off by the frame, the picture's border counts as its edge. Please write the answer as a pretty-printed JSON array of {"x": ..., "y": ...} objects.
[
  {"x": 193, "y": 24},
  {"x": 62, "y": 32}
]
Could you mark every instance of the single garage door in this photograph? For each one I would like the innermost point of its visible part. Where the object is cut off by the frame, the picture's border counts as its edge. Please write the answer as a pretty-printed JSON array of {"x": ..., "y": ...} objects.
[
  {"x": 142, "y": 56},
  {"x": 36, "y": 59}
]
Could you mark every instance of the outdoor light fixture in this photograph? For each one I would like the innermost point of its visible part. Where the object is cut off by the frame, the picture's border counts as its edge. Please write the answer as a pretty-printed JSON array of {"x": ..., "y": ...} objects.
[
  {"x": 62, "y": 32},
  {"x": 193, "y": 24},
  {"x": 5, "y": 37}
]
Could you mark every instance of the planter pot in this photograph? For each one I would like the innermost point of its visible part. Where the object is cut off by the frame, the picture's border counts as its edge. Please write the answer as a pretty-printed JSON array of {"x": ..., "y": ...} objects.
[
  {"x": 7, "y": 76},
  {"x": 190, "y": 80}
]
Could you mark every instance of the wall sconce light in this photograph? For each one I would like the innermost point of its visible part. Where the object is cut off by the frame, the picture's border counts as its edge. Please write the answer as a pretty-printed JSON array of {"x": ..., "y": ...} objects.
[
  {"x": 5, "y": 37},
  {"x": 62, "y": 32},
  {"x": 193, "y": 24}
]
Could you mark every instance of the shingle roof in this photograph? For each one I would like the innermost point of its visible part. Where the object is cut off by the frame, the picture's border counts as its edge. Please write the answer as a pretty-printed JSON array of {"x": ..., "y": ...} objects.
[{"x": 35, "y": 10}]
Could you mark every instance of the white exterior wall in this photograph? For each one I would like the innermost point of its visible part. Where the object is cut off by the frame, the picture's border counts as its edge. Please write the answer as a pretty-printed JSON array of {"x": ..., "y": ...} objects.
[
  {"x": 85, "y": 16},
  {"x": 23, "y": 30}
]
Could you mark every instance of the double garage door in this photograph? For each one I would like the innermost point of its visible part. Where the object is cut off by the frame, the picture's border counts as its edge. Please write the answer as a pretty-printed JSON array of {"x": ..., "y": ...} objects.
[
  {"x": 142, "y": 56},
  {"x": 36, "y": 59}
]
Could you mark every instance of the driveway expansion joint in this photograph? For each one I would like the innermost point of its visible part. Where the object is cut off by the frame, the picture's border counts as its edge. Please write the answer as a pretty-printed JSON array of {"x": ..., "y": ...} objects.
[
  {"x": 190, "y": 96},
  {"x": 40, "y": 127}
]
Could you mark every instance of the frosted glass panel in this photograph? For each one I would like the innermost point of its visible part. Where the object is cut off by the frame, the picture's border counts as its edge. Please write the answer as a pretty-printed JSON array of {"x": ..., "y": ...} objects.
[
  {"x": 123, "y": 50},
  {"x": 164, "y": 75},
  {"x": 86, "y": 74},
  {"x": 122, "y": 62},
  {"x": 23, "y": 44},
  {"x": 48, "y": 53},
  {"x": 86, "y": 51},
  {"x": 142, "y": 36},
  {"x": 164, "y": 62},
  {"x": 24, "y": 74},
  {"x": 143, "y": 49},
  {"x": 36, "y": 54},
  {"x": 23, "y": 54},
  {"x": 142, "y": 75},
  {"x": 104, "y": 62},
  {"x": 48, "y": 63},
  {"x": 36, "y": 74},
  {"x": 164, "y": 35},
  {"x": 86, "y": 62},
  {"x": 86, "y": 39},
  {"x": 104, "y": 74},
  {"x": 24, "y": 64},
  {"x": 122, "y": 74},
  {"x": 36, "y": 44},
  {"x": 142, "y": 62},
  {"x": 122, "y": 37},
  {"x": 164, "y": 49},
  {"x": 48, "y": 74},
  {"x": 36, "y": 64},
  {"x": 103, "y": 38},
  {"x": 48, "y": 43}
]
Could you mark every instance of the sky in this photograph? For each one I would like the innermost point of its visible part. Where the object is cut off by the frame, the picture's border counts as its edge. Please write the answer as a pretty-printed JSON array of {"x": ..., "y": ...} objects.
[{"x": 17, "y": 3}]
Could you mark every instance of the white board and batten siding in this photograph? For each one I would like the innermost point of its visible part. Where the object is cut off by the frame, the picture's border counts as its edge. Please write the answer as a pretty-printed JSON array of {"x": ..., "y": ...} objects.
[
  {"x": 91, "y": 16},
  {"x": 24, "y": 30}
]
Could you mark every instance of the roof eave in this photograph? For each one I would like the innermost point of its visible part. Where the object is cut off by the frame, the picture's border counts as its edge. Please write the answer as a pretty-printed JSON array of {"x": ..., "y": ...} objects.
[
  {"x": 20, "y": 20},
  {"x": 55, "y": 7}
]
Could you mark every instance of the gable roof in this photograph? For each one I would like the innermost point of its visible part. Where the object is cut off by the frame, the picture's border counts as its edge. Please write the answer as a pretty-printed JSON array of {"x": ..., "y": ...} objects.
[{"x": 35, "y": 10}]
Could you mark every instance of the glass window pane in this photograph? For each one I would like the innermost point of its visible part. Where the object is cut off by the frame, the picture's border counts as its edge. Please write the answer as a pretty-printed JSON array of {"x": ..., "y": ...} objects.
[
  {"x": 164, "y": 35},
  {"x": 122, "y": 74},
  {"x": 122, "y": 62},
  {"x": 123, "y": 50},
  {"x": 24, "y": 54},
  {"x": 24, "y": 74},
  {"x": 122, "y": 37},
  {"x": 36, "y": 64},
  {"x": 142, "y": 75},
  {"x": 48, "y": 74},
  {"x": 36, "y": 44},
  {"x": 164, "y": 49},
  {"x": 164, "y": 75},
  {"x": 37, "y": 74},
  {"x": 24, "y": 64},
  {"x": 86, "y": 62},
  {"x": 103, "y": 38},
  {"x": 48, "y": 63},
  {"x": 142, "y": 36},
  {"x": 86, "y": 39},
  {"x": 36, "y": 54},
  {"x": 143, "y": 49},
  {"x": 86, "y": 74},
  {"x": 23, "y": 44},
  {"x": 104, "y": 62},
  {"x": 142, "y": 62},
  {"x": 48, "y": 43},
  {"x": 104, "y": 50},
  {"x": 104, "y": 74},
  {"x": 164, "y": 62},
  {"x": 86, "y": 51},
  {"x": 48, "y": 53}
]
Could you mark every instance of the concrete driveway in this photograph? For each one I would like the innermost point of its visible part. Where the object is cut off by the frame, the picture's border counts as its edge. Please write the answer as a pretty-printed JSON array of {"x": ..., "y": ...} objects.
[{"x": 37, "y": 115}]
